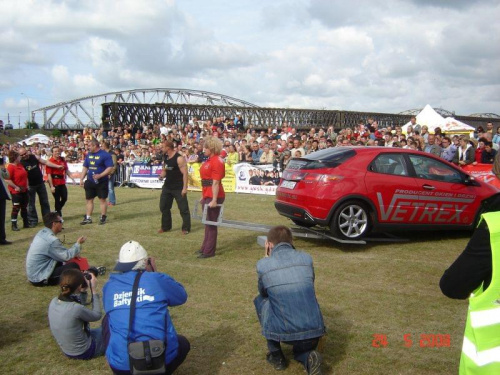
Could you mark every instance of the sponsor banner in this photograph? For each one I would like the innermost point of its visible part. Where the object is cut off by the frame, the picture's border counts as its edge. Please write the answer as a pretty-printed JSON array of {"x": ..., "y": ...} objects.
[
  {"x": 76, "y": 171},
  {"x": 194, "y": 180},
  {"x": 256, "y": 179},
  {"x": 482, "y": 172},
  {"x": 229, "y": 181},
  {"x": 146, "y": 176}
]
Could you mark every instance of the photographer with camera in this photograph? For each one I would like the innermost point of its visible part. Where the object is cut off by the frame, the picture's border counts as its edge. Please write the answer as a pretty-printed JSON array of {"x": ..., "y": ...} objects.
[
  {"x": 46, "y": 255},
  {"x": 69, "y": 318},
  {"x": 130, "y": 324}
]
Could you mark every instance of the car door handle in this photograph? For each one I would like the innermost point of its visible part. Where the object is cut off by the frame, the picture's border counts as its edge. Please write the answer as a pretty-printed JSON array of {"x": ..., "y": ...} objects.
[{"x": 428, "y": 187}]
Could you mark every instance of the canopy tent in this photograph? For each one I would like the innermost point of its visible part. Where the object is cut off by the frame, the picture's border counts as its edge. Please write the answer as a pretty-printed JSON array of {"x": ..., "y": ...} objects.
[
  {"x": 453, "y": 126},
  {"x": 429, "y": 117},
  {"x": 36, "y": 138}
]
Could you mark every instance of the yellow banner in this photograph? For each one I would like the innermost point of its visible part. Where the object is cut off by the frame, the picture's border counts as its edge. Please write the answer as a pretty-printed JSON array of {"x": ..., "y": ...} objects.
[{"x": 194, "y": 180}]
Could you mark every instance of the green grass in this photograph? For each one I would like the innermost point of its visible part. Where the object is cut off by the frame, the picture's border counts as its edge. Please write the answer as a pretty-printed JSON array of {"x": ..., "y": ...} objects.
[{"x": 387, "y": 288}]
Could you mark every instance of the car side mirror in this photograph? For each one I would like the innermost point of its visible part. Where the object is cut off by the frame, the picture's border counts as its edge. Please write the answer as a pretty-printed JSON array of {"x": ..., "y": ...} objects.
[{"x": 471, "y": 181}]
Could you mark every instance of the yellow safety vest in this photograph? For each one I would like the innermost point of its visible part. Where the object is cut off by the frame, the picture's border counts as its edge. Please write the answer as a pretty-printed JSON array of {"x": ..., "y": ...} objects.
[{"x": 481, "y": 347}]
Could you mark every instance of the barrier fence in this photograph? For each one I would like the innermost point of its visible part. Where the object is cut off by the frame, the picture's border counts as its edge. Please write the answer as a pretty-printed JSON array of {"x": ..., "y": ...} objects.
[{"x": 240, "y": 178}]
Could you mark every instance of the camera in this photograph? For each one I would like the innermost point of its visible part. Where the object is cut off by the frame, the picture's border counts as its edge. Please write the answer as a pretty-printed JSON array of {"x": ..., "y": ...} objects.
[{"x": 87, "y": 276}]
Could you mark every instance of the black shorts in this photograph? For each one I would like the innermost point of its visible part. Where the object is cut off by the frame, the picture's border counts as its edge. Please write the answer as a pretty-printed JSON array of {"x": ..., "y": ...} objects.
[
  {"x": 20, "y": 199},
  {"x": 93, "y": 190}
]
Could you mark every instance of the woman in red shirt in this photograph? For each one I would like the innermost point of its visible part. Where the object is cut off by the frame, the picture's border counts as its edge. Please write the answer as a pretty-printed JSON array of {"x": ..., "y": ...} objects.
[
  {"x": 212, "y": 172},
  {"x": 18, "y": 187}
]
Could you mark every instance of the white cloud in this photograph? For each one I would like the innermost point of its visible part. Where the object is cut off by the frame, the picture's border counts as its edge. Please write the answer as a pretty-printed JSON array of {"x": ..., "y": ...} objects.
[{"x": 383, "y": 57}]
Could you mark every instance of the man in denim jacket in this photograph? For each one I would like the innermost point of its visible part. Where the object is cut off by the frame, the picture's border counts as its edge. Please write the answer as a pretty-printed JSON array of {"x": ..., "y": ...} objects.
[{"x": 286, "y": 305}]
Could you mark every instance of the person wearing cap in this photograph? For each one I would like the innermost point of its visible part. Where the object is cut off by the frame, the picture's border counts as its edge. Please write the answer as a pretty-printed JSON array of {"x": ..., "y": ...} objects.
[
  {"x": 46, "y": 255},
  {"x": 157, "y": 291}
]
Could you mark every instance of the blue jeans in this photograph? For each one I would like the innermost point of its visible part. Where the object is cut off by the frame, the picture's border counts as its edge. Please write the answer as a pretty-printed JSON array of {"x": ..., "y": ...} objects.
[
  {"x": 96, "y": 335},
  {"x": 111, "y": 190}
]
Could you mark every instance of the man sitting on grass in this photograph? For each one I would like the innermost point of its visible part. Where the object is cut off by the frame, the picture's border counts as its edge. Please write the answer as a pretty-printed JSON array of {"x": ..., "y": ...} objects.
[
  {"x": 46, "y": 255},
  {"x": 286, "y": 305}
]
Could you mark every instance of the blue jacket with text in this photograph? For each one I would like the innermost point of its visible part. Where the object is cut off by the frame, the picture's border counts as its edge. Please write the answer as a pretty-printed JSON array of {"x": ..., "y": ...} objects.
[{"x": 152, "y": 320}]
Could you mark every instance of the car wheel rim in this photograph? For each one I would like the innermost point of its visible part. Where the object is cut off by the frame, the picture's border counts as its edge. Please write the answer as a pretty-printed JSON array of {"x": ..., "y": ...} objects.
[{"x": 353, "y": 221}]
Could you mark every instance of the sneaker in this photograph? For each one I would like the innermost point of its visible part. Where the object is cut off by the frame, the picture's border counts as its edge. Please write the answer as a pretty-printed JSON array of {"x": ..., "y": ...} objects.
[
  {"x": 314, "y": 363},
  {"x": 163, "y": 231},
  {"x": 102, "y": 220},
  {"x": 86, "y": 220},
  {"x": 277, "y": 360},
  {"x": 185, "y": 232}
]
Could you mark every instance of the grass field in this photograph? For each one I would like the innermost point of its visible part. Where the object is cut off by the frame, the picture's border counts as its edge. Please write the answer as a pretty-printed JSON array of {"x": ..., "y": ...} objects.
[{"x": 382, "y": 288}]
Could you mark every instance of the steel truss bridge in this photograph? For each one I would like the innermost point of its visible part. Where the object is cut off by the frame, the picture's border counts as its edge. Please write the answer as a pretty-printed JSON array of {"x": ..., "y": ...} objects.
[{"x": 180, "y": 105}]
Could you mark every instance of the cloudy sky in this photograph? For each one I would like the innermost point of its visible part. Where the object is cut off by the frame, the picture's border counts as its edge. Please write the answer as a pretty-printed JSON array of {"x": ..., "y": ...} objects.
[{"x": 362, "y": 55}]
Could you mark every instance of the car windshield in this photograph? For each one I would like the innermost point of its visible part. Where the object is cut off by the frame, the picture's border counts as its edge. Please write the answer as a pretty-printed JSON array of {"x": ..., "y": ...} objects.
[{"x": 329, "y": 158}]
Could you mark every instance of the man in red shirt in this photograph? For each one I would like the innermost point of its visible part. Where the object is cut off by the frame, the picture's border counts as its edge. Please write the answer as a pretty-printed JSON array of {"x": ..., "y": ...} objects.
[{"x": 57, "y": 179}]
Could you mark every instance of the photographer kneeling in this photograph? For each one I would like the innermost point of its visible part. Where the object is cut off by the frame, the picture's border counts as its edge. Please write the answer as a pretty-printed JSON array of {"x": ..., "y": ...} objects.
[
  {"x": 69, "y": 318},
  {"x": 137, "y": 329}
]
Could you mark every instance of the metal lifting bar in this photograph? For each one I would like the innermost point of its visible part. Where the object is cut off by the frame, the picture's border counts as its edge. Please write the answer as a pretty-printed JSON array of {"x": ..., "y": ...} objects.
[{"x": 256, "y": 227}]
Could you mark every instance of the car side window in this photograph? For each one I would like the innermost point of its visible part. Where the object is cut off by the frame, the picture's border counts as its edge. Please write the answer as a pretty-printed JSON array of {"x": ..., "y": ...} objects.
[
  {"x": 431, "y": 169},
  {"x": 389, "y": 164}
]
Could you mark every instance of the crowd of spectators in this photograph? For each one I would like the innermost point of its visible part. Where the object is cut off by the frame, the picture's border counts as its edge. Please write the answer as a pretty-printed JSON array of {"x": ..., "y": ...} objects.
[{"x": 274, "y": 145}]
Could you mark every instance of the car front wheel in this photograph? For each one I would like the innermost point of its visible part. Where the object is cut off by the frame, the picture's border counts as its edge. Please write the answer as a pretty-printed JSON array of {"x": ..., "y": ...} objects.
[{"x": 351, "y": 221}]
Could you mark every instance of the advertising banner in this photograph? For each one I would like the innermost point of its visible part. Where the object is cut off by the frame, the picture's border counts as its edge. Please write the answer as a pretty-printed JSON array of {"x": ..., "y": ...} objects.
[
  {"x": 76, "y": 171},
  {"x": 146, "y": 176},
  {"x": 482, "y": 172},
  {"x": 256, "y": 179}
]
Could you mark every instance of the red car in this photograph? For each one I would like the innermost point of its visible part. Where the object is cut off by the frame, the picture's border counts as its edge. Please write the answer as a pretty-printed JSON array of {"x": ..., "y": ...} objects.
[{"x": 353, "y": 190}]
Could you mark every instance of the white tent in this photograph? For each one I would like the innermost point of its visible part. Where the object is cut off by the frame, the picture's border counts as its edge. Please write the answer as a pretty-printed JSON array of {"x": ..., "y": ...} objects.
[
  {"x": 454, "y": 126},
  {"x": 36, "y": 138},
  {"x": 428, "y": 116}
]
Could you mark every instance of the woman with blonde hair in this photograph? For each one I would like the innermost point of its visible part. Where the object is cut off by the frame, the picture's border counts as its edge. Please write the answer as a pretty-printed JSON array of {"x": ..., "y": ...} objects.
[{"x": 212, "y": 172}]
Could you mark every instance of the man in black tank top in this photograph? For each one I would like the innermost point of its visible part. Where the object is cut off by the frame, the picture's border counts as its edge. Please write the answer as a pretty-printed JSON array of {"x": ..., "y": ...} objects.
[{"x": 175, "y": 187}]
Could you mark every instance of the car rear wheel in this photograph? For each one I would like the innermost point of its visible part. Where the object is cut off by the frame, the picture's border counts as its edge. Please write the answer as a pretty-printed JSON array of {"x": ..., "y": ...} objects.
[
  {"x": 303, "y": 223},
  {"x": 351, "y": 221}
]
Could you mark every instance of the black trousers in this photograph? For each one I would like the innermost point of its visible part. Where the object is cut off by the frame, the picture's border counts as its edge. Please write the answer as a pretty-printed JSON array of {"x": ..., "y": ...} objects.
[
  {"x": 60, "y": 196},
  {"x": 56, "y": 274},
  {"x": 166, "y": 200},
  {"x": 3, "y": 205},
  {"x": 33, "y": 191}
]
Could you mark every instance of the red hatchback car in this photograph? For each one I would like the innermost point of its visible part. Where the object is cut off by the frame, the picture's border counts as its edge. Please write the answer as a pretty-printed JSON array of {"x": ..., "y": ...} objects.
[{"x": 354, "y": 190}]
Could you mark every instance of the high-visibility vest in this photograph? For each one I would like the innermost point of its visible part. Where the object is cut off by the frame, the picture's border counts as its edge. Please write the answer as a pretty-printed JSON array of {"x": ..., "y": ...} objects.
[{"x": 481, "y": 347}]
